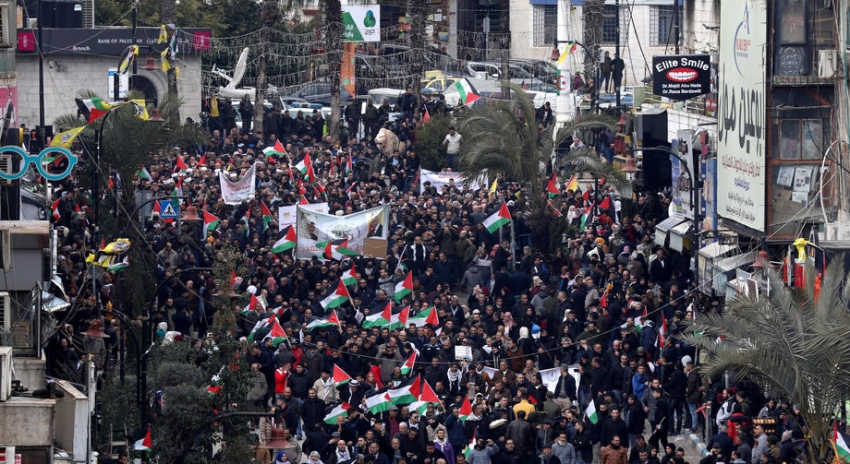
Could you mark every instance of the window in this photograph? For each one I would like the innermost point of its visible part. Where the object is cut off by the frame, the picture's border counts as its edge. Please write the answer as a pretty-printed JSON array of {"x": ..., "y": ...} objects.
[
  {"x": 545, "y": 25},
  {"x": 609, "y": 26},
  {"x": 801, "y": 139},
  {"x": 661, "y": 22},
  {"x": 792, "y": 58}
]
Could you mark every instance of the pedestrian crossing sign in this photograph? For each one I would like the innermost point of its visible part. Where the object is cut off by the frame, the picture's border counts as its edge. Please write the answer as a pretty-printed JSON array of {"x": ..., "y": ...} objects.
[{"x": 168, "y": 210}]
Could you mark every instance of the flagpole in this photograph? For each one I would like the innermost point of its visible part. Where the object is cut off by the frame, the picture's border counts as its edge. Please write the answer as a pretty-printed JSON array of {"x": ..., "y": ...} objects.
[{"x": 513, "y": 242}]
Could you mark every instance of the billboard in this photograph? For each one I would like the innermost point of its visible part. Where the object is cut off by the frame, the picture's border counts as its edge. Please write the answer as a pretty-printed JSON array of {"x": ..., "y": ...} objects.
[
  {"x": 361, "y": 23},
  {"x": 741, "y": 137},
  {"x": 681, "y": 77}
]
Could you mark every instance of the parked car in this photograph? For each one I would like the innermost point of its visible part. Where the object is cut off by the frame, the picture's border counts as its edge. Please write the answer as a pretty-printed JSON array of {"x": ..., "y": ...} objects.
[
  {"x": 493, "y": 71},
  {"x": 541, "y": 69},
  {"x": 321, "y": 93}
]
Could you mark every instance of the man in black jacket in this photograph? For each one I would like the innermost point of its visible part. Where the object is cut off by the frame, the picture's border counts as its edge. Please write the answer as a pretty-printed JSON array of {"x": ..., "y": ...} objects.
[
  {"x": 675, "y": 387},
  {"x": 312, "y": 410},
  {"x": 583, "y": 444},
  {"x": 612, "y": 426}
]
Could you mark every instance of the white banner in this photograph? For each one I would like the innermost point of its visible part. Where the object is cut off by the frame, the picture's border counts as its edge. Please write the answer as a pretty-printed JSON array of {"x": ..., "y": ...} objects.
[
  {"x": 314, "y": 227},
  {"x": 235, "y": 193},
  {"x": 439, "y": 179},
  {"x": 551, "y": 376},
  {"x": 286, "y": 214},
  {"x": 741, "y": 134},
  {"x": 361, "y": 23}
]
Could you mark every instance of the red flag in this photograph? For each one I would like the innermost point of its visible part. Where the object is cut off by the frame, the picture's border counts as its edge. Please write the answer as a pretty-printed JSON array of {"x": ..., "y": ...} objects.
[
  {"x": 303, "y": 201},
  {"x": 203, "y": 160},
  {"x": 586, "y": 195},
  {"x": 233, "y": 277},
  {"x": 426, "y": 117},
  {"x": 606, "y": 203},
  {"x": 180, "y": 165}
]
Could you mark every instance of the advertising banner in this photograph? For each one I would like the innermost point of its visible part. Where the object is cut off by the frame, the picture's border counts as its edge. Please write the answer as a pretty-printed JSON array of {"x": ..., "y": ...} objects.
[
  {"x": 741, "y": 137},
  {"x": 235, "y": 193},
  {"x": 680, "y": 77},
  {"x": 439, "y": 179},
  {"x": 314, "y": 227},
  {"x": 286, "y": 214},
  {"x": 362, "y": 23}
]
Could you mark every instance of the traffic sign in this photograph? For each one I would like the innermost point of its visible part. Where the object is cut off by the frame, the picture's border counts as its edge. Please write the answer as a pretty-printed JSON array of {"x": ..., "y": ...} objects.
[{"x": 168, "y": 210}]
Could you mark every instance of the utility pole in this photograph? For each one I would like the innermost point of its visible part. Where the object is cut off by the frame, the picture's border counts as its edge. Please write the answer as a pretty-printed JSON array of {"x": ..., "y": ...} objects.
[
  {"x": 617, "y": 53},
  {"x": 675, "y": 25},
  {"x": 565, "y": 109}
]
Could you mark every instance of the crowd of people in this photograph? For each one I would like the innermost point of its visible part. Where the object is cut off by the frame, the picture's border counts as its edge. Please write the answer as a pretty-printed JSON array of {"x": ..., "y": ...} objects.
[{"x": 602, "y": 303}]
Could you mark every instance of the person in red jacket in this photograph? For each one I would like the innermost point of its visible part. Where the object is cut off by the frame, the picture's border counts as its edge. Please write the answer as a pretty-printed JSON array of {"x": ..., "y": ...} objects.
[{"x": 281, "y": 375}]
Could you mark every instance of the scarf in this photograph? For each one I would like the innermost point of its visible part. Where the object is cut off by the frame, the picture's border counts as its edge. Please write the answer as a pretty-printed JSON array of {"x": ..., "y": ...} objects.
[
  {"x": 342, "y": 456},
  {"x": 454, "y": 376},
  {"x": 327, "y": 384}
]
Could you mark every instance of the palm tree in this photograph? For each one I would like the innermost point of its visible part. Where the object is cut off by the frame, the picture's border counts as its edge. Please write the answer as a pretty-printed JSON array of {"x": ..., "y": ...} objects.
[
  {"x": 503, "y": 138},
  {"x": 593, "y": 15},
  {"x": 270, "y": 14},
  {"x": 791, "y": 341}
]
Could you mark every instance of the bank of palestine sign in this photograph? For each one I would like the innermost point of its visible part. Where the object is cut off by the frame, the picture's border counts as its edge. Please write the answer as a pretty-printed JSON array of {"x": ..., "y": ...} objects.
[
  {"x": 681, "y": 77},
  {"x": 361, "y": 23},
  {"x": 741, "y": 134}
]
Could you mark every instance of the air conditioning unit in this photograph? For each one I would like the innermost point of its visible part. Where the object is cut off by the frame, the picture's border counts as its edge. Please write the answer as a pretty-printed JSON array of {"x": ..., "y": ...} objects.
[
  {"x": 829, "y": 64},
  {"x": 5, "y": 312},
  {"x": 5, "y": 372},
  {"x": 6, "y": 167}
]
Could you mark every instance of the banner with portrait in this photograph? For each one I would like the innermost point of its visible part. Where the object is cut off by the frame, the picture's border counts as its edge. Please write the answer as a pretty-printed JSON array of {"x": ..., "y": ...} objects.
[
  {"x": 235, "y": 193},
  {"x": 439, "y": 179},
  {"x": 286, "y": 214},
  {"x": 358, "y": 228}
]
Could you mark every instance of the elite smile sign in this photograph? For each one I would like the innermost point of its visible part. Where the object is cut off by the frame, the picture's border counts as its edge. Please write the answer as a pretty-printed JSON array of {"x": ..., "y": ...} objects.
[{"x": 681, "y": 77}]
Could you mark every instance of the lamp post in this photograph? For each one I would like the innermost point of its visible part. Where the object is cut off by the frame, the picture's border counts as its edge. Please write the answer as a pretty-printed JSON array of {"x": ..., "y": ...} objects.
[{"x": 566, "y": 102}]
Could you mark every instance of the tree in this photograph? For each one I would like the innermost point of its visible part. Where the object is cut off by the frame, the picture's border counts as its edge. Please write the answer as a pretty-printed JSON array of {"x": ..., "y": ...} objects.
[
  {"x": 270, "y": 12},
  {"x": 593, "y": 14},
  {"x": 504, "y": 138},
  {"x": 791, "y": 341}
]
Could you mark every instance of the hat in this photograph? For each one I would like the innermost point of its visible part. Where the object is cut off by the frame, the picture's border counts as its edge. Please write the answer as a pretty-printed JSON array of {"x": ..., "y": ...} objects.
[
  {"x": 547, "y": 445},
  {"x": 687, "y": 360},
  {"x": 475, "y": 311},
  {"x": 354, "y": 383}
]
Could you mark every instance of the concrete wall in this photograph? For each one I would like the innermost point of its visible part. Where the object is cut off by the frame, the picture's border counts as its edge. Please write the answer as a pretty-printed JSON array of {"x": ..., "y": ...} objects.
[
  {"x": 72, "y": 421},
  {"x": 61, "y": 84},
  {"x": 701, "y": 26},
  {"x": 27, "y": 422},
  {"x": 30, "y": 371}
]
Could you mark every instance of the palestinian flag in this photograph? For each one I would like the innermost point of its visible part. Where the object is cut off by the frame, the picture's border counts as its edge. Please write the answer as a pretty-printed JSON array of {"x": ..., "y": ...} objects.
[
  {"x": 119, "y": 266},
  {"x": 54, "y": 208},
  {"x": 406, "y": 393},
  {"x": 590, "y": 412},
  {"x": 303, "y": 201},
  {"x": 466, "y": 91},
  {"x": 340, "y": 376},
  {"x": 203, "y": 160},
  {"x": 498, "y": 220},
  {"x": 662, "y": 331},
  {"x": 349, "y": 167},
  {"x": 427, "y": 317},
  {"x": 286, "y": 240},
  {"x": 93, "y": 108},
  {"x": 586, "y": 217},
  {"x": 380, "y": 319},
  {"x": 252, "y": 304},
  {"x": 210, "y": 223},
  {"x": 399, "y": 321},
  {"x": 572, "y": 184},
  {"x": 276, "y": 333},
  {"x": 277, "y": 150},
  {"x": 144, "y": 443},
  {"x": 329, "y": 321},
  {"x": 842, "y": 452},
  {"x": 552, "y": 186},
  {"x": 214, "y": 389},
  {"x": 233, "y": 277},
  {"x": 337, "y": 297},
  {"x": 180, "y": 165},
  {"x": 144, "y": 174},
  {"x": 260, "y": 325},
  {"x": 379, "y": 403},
  {"x": 471, "y": 445},
  {"x": 268, "y": 217},
  {"x": 407, "y": 367},
  {"x": 310, "y": 175},
  {"x": 337, "y": 251},
  {"x": 304, "y": 164},
  {"x": 404, "y": 288},
  {"x": 333, "y": 416},
  {"x": 426, "y": 396},
  {"x": 349, "y": 277},
  {"x": 606, "y": 203},
  {"x": 465, "y": 409}
]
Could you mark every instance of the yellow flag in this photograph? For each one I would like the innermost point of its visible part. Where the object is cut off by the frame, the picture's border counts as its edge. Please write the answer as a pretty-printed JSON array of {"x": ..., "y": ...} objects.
[
  {"x": 177, "y": 72},
  {"x": 563, "y": 56},
  {"x": 572, "y": 184},
  {"x": 164, "y": 64},
  {"x": 66, "y": 139},
  {"x": 163, "y": 35},
  {"x": 129, "y": 56},
  {"x": 141, "y": 109}
]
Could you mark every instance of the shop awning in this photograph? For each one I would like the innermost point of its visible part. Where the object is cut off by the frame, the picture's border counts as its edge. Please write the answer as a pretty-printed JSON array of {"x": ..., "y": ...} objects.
[
  {"x": 713, "y": 250},
  {"x": 679, "y": 236},
  {"x": 664, "y": 227}
]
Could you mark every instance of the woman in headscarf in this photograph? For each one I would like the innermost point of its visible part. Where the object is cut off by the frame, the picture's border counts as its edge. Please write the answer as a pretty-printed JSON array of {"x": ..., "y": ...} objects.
[
  {"x": 314, "y": 458},
  {"x": 510, "y": 327}
]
